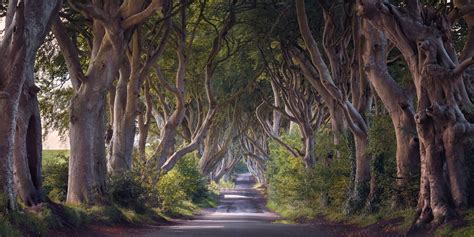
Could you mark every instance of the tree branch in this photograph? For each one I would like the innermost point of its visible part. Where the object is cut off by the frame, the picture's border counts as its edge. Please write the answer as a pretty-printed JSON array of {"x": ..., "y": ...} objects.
[
  {"x": 70, "y": 53},
  {"x": 140, "y": 17}
]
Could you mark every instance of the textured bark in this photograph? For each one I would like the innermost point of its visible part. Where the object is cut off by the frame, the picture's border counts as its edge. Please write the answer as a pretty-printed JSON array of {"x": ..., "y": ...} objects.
[
  {"x": 218, "y": 143},
  {"x": 400, "y": 108},
  {"x": 121, "y": 144},
  {"x": 27, "y": 155},
  {"x": 440, "y": 124},
  {"x": 276, "y": 120},
  {"x": 256, "y": 153},
  {"x": 302, "y": 106},
  {"x": 87, "y": 164},
  {"x": 26, "y": 25}
]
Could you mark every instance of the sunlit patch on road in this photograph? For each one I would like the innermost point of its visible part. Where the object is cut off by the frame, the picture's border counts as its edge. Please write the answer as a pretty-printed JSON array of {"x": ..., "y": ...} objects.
[{"x": 233, "y": 196}]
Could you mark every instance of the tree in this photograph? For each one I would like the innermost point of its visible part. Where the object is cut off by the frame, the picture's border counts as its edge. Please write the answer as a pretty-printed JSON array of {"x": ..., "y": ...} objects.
[
  {"x": 319, "y": 75},
  {"x": 113, "y": 23},
  {"x": 26, "y": 24},
  {"x": 398, "y": 102},
  {"x": 423, "y": 37},
  {"x": 133, "y": 73}
]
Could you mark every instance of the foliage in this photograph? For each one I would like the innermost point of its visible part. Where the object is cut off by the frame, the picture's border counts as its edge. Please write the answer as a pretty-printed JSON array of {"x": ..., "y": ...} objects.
[
  {"x": 55, "y": 176},
  {"x": 226, "y": 183},
  {"x": 293, "y": 187},
  {"x": 6, "y": 229},
  {"x": 126, "y": 190},
  {"x": 382, "y": 150},
  {"x": 182, "y": 185}
]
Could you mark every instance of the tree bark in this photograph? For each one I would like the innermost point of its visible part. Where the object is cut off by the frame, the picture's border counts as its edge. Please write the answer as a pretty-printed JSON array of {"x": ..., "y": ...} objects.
[
  {"x": 27, "y": 154},
  {"x": 144, "y": 122},
  {"x": 87, "y": 164},
  {"x": 126, "y": 108},
  {"x": 400, "y": 108},
  {"x": 26, "y": 25},
  {"x": 424, "y": 41}
]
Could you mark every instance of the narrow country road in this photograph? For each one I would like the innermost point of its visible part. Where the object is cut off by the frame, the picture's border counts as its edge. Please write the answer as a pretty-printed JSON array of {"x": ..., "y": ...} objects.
[{"x": 241, "y": 212}]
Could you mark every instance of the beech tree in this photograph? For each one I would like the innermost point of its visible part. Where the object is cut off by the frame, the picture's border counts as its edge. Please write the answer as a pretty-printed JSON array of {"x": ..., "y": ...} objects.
[
  {"x": 26, "y": 24},
  {"x": 317, "y": 72},
  {"x": 302, "y": 106},
  {"x": 113, "y": 23},
  {"x": 423, "y": 37},
  {"x": 133, "y": 73},
  {"x": 398, "y": 102}
]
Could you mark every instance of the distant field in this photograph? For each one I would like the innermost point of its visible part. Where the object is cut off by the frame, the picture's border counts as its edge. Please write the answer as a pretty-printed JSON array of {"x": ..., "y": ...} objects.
[{"x": 49, "y": 155}]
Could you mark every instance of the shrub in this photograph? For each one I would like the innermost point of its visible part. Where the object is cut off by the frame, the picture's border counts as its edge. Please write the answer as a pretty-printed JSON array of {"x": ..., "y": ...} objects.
[
  {"x": 126, "y": 190},
  {"x": 226, "y": 183},
  {"x": 55, "y": 177},
  {"x": 182, "y": 184},
  {"x": 382, "y": 149},
  {"x": 6, "y": 229},
  {"x": 293, "y": 187}
]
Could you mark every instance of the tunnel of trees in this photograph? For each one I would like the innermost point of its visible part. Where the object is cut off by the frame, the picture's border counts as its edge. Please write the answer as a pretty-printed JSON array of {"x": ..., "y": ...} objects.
[{"x": 353, "y": 106}]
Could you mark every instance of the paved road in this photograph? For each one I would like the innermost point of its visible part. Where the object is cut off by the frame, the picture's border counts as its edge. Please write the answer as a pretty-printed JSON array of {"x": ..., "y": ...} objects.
[{"x": 241, "y": 212}]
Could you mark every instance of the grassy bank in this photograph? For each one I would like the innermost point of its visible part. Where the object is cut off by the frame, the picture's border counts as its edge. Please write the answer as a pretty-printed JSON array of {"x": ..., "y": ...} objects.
[
  {"x": 319, "y": 195},
  {"x": 131, "y": 200}
]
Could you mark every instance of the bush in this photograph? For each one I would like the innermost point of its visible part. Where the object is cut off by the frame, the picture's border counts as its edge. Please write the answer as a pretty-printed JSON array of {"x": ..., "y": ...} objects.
[
  {"x": 126, "y": 190},
  {"x": 6, "y": 229},
  {"x": 182, "y": 184},
  {"x": 293, "y": 187},
  {"x": 226, "y": 183},
  {"x": 382, "y": 149},
  {"x": 55, "y": 177}
]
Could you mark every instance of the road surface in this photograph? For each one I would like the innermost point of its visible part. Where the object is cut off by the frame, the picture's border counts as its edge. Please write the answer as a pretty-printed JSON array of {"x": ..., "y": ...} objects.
[{"x": 241, "y": 212}]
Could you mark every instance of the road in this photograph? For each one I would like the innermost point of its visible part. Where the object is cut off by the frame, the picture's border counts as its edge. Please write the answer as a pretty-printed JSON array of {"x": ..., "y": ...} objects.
[{"x": 241, "y": 212}]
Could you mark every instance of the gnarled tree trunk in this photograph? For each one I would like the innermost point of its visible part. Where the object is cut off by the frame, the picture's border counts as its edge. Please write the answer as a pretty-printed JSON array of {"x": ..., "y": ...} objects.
[
  {"x": 423, "y": 37},
  {"x": 27, "y": 155},
  {"x": 399, "y": 106},
  {"x": 26, "y": 25}
]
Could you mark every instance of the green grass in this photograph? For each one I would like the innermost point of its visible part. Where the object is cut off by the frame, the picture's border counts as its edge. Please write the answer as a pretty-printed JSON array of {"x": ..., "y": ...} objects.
[
  {"x": 302, "y": 213},
  {"x": 6, "y": 229},
  {"x": 293, "y": 213},
  {"x": 466, "y": 230},
  {"x": 40, "y": 220},
  {"x": 364, "y": 220}
]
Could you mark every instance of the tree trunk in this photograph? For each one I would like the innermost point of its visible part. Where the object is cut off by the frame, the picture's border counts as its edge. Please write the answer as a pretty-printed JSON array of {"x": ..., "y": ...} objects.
[
  {"x": 27, "y": 155},
  {"x": 123, "y": 124},
  {"x": 7, "y": 130},
  {"x": 399, "y": 106},
  {"x": 423, "y": 39},
  {"x": 144, "y": 121},
  {"x": 276, "y": 120},
  {"x": 361, "y": 186},
  {"x": 26, "y": 24},
  {"x": 309, "y": 142},
  {"x": 87, "y": 164},
  {"x": 112, "y": 25}
]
